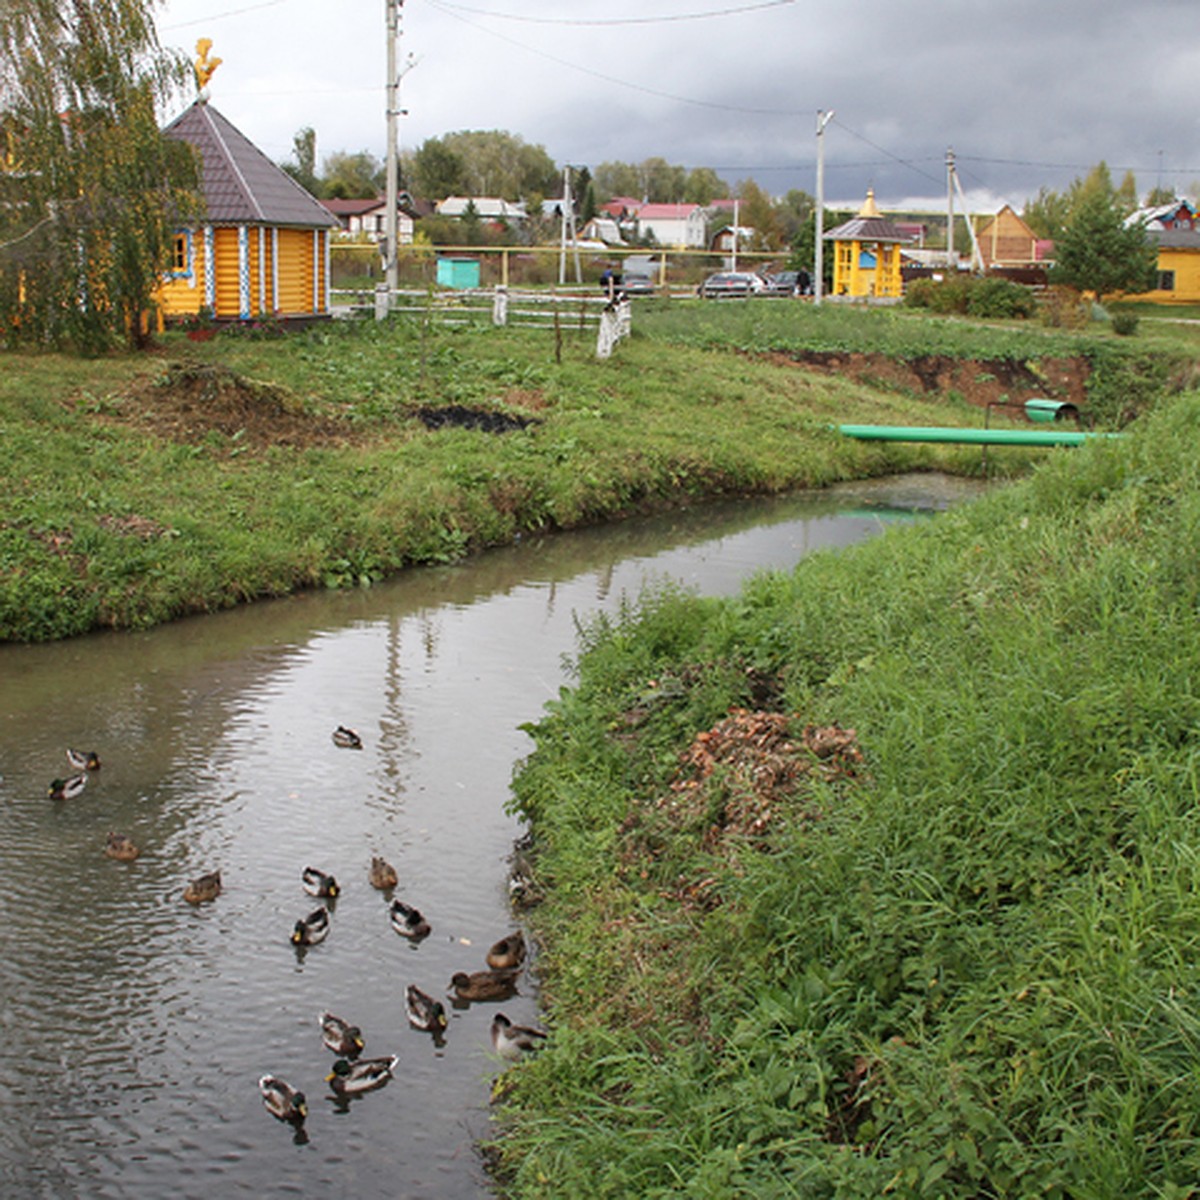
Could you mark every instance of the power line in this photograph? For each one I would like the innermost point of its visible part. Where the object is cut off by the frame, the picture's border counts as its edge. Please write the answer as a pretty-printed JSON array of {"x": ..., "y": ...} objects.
[
  {"x": 625, "y": 83},
  {"x": 610, "y": 21},
  {"x": 904, "y": 162},
  {"x": 234, "y": 12}
]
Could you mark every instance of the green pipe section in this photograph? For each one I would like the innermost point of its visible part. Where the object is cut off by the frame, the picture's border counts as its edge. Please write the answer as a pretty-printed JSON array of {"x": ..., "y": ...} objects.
[{"x": 972, "y": 437}]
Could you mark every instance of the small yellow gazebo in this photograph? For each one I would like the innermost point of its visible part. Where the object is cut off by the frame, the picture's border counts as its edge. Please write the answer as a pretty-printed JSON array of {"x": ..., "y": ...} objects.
[{"x": 867, "y": 262}]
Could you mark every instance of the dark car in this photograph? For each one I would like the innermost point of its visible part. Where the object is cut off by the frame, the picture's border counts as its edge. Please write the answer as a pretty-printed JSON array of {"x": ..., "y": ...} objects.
[
  {"x": 787, "y": 283},
  {"x": 730, "y": 283}
]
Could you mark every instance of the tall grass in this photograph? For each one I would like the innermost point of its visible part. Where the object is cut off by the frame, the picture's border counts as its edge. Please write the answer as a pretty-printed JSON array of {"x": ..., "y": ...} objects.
[{"x": 972, "y": 970}]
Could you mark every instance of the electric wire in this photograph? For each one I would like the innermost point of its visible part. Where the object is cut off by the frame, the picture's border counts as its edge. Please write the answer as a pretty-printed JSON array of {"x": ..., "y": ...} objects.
[{"x": 612, "y": 21}]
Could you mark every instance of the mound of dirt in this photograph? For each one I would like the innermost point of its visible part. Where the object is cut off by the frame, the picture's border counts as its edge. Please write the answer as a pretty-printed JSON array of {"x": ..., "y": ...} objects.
[
  {"x": 977, "y": 381},
  {"x": 189, "y": 401}
]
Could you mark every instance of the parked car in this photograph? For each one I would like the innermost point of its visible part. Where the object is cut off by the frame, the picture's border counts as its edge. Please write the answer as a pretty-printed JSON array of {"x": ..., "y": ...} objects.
[
  {"x": 634, "y": 283},
  {"x": 787, "y": 283},
  {"x": 731, "y": 283}
]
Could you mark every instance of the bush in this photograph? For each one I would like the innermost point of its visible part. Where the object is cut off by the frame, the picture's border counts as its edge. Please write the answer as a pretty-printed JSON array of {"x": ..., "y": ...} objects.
[
  {"x": 1124, "y": 324},
  {"x": 996, "y": 297},
  {"x": 1063, "y": 308},
  {"x": 966, "y": 295}
]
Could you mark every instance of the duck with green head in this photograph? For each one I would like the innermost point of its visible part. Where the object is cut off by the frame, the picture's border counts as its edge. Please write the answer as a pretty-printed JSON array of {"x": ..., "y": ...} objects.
[{"x": 353, "y": 1078}]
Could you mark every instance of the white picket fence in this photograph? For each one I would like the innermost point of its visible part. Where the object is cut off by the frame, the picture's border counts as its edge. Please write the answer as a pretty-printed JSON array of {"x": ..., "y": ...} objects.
[{"x": 556, "y": 311}]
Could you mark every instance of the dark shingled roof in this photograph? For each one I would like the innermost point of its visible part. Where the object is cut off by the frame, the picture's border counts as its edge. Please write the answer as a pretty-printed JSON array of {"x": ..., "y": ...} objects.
[
  {"x": 867, "y": 229},
  {"x": 1175, "y": 239},
  {"x": 241, "y": 185}
]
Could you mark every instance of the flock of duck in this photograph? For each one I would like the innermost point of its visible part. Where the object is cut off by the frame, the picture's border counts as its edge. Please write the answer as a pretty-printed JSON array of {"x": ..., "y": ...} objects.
[{"x": 352, "y": 1075}]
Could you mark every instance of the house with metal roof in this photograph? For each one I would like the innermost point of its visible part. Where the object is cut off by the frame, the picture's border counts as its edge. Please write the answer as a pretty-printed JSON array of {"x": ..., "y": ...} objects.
[
  {"x": 1174, "y": 229},
  {"x": 262, "y": 245},
  {"x": 683, "y": 225},
  {"x": 867, "y": 259}
]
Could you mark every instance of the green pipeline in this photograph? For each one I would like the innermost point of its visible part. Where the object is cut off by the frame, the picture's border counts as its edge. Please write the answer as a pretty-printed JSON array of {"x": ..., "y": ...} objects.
[{"x": 971, "y": 437}]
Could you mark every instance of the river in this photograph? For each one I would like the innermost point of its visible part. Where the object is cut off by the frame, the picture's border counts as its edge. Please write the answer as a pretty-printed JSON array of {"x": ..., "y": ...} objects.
[{"x": 136, "y": 1026}]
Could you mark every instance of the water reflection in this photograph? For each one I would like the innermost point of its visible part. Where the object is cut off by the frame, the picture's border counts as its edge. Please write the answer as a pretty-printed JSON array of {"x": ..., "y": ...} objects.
[{"x": 136, "y": 1026}]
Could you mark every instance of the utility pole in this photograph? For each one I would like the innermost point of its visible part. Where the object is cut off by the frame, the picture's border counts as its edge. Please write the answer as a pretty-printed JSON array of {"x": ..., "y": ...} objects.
[
  {"x": 391, "y": 230},
  {"x": 568, "y": 222},
  {"x": 823, "y": 119},
  {"x": 951, "y": 258}
]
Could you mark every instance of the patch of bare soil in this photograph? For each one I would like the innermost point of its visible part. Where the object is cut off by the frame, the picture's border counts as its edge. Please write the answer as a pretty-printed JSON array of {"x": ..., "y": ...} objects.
[
  {"x": 978, "y": 381},
  {"x": 189, "y": 401},
  {"x": 460, "y": 417}
]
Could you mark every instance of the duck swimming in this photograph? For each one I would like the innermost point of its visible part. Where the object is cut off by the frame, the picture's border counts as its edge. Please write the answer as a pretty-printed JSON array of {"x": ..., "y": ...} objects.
[
  {"x": 67, "y": 789},
  {"x": 317, "y": 883},
  {"x": 203, "y": 889},
  {"x": 512, "y": 1041},
  {"x": 89, "y": 761},
  {"x": 312, "y": 929},
  {"x": 282, "y": 1100},
  {"x": 340, "y": 1036},
  {"x": 408, "y": 922},
  {"x": 352, "y": 1079},
  {"x": 508, "y": 952},
  {"x": 424, "y": 1012},
  {"x": 382, "y": 874},
  {"x": 348, "y": 739},
  {"x": 121, "y": 847},
  {"x": 484, "y": 985}
]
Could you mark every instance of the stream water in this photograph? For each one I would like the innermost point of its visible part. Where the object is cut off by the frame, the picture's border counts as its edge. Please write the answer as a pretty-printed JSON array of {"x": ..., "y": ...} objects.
[{"x": 133, "y": 1026}]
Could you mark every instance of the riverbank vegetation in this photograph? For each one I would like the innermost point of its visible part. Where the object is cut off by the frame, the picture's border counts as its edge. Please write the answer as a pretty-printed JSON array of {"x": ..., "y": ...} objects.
[
  {"x": 141, "y": 488},
  {"x": 881, "y": 878}
]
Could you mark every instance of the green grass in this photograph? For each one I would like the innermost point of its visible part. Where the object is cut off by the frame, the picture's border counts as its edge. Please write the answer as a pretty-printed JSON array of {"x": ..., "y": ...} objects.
[
  {"x": 971, "y": 971},
  {"x": 152, "y": 523}
]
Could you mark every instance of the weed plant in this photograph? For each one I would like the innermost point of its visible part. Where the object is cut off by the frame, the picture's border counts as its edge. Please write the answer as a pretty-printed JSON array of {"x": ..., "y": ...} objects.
[{"x": 969, "y": 971}]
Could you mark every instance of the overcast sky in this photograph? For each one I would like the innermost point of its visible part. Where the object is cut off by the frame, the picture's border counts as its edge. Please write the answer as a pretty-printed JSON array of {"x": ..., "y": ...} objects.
[{"x": 1028, "y": 93}]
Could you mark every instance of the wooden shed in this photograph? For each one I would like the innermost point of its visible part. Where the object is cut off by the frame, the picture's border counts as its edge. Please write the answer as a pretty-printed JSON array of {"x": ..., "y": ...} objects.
[
  {"x": 867, "y": 262},
  {"x": 1007, "y": 241},
  {"x": 262, "y": 246}
]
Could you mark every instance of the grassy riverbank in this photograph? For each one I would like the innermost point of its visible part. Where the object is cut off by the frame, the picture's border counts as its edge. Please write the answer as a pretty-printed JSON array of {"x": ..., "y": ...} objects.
[
  {"x": 881, "y": 878},
  {"x": 138, "y": 489}
]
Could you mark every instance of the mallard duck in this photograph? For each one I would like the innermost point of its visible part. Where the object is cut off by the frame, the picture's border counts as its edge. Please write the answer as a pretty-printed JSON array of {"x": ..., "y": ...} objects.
[
  {"x": 484, "y": 985},
  {"x": 67, "y": 789},
  {"x": 383, "y": 875},
  {"x": 204, "y": 888},
  {"x": 348, "y": 739},
  {"x": 312, "y": 929},
  {"x": 89, "y": 761},
  {"x": 408, "y": 922},
  {"x": 317, "y": 883},
  {"x": 424, "y": 1012},
  {"x": 508, "y": 952},
  {"x": 512, "y": 1041},
  {"x": 340, "y": 1036},
  {"x": 282, "y": 1100},
  {"x": 121, "y": 847},
  {"x": 352, "y": 1079}
]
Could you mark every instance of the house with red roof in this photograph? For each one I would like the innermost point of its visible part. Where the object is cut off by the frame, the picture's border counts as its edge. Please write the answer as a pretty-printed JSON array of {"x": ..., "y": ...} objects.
[{"x": 682, "y": 225}]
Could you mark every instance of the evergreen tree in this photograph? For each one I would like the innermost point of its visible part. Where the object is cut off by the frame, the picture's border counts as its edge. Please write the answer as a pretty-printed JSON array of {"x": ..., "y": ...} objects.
[
  {"x": 90, "y": 190},
  {"x": 1098, "y": 253}
]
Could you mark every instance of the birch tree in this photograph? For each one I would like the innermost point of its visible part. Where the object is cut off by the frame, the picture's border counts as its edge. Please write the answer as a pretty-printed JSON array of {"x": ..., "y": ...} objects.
[{"x": 89, "y": 188}]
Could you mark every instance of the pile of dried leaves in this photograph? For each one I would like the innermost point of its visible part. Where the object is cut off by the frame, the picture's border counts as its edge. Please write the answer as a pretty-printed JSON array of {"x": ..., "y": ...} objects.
[{"x": 750, "y": 768}]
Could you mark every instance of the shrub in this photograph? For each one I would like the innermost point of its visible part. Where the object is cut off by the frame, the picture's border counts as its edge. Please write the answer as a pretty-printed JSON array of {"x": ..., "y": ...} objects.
[
  {"x": 1124, "y": 324},
  {"x": 1063, "y": 308},
  {"x": 996, "y": 297}
]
